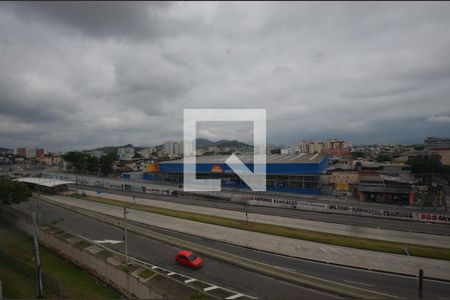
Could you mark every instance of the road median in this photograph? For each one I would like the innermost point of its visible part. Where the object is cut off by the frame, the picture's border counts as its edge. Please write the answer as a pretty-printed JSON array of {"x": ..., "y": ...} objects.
[
  {"x": 293, "y": 277},
  {"x": 289, "y": 232}
]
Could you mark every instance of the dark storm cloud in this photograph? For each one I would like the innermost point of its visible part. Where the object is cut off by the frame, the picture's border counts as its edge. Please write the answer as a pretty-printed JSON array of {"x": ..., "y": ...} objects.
[
  {"x": 81, "y": 75},
  {"x": 98, "y": 19}
]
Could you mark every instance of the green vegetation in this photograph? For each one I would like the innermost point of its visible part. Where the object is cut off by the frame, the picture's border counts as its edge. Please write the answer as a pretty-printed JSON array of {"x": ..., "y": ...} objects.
[
  {"x": 275, "y": 151},
  {"x": 12, "y": 192},
  {"x": 84, "y": 163},
  {"x": 383, "y": 157},
  {"x": 74, "y": 283},
  {"x": 301, "y": 234},
  {"x": 146, "y": 273},
  {"x": 198, "y": 295},
  {"x": 25, "y": 290},
  {"x": 427, "y": 165},
  {"x": 83, "y": 244},
  {"x": 358, "y": 154}
]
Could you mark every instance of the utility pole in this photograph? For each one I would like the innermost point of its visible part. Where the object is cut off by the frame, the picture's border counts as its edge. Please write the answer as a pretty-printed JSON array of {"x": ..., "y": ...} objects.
[
  {"x": 125, "y": 234},
  {"x": 246, "y": 211},
  {"x": 38, "y": 260},
  {"x": 39, "y": 206},
  {"x": 85, "y": 171},
  {"x": 420, "y": 283}
]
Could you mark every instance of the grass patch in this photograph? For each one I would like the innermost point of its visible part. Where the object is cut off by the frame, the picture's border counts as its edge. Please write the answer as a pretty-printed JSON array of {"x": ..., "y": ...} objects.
[
  {"x": 198, "y": 295},
  {"x": 83, "y": 244},
  {"x": 75, "y": 283},
  {"x": 301, "y": 234},
  {"x": 146, "y": 273},
  {"x": 15, "y": 284}
]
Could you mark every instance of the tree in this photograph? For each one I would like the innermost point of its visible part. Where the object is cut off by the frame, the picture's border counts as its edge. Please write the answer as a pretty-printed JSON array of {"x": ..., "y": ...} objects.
[
  {"x": 383, "y": 157},
  {"x": 92, "y": 164},
  {"x": 427, "y": 165},
  {"x": 13, "y": 192},
  {"x": 275, "y": 151},
  {"x": 137, "y": 155},
  {"x": 105, "y": 164},
  {"x": 358, "y": 154},
  {"x": 77, "y": 159}
]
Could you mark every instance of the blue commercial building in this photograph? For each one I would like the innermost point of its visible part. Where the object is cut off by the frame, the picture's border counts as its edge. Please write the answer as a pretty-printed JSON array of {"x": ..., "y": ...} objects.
[{"x": 292, "y": 173}]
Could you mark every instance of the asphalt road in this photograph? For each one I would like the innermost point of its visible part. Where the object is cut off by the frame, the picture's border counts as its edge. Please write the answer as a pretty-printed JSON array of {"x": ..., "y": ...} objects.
[
  {"x": 233, "y": 277},
  {"x": 431, "y": 228},
  {"x": 163, "y": 255}
]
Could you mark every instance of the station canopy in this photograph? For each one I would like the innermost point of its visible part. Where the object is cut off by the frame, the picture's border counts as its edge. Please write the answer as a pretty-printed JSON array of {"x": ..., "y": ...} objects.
[{"x": 46, "y": 182}]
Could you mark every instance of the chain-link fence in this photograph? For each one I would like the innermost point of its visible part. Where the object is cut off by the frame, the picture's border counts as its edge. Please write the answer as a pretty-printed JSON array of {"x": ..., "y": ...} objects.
[{"x": 51, "y": 285}]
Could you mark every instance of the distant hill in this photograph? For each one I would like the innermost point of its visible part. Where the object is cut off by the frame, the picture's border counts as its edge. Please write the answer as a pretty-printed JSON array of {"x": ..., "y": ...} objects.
[
  {"x": 205, "y": 143},
  {"x": 201, "y": 143}
]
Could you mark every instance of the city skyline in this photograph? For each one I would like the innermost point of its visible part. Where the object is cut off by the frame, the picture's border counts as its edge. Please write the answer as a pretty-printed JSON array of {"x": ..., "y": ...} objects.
[{"x": 81, "y": 77}]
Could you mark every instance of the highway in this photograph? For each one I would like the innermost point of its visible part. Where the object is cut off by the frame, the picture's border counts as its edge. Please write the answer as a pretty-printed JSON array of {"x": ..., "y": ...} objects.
[
  {"x": 431, "y": 228},
  {"x": 233, "y": 277},
  {"x": 157, "y": 253}
]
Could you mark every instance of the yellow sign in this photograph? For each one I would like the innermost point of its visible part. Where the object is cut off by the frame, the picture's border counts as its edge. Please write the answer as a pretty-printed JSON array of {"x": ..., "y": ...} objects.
[
  {"x": 152, "y": 168},
  {"x": 216, "y": 169},
  {"x": 343, "y": 186}
]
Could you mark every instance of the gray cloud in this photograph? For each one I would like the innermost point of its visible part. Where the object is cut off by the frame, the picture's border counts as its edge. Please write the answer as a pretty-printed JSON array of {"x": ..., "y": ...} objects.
[
  {"x": 81, "y": 75},
  {"x": 98, "y": 19}
]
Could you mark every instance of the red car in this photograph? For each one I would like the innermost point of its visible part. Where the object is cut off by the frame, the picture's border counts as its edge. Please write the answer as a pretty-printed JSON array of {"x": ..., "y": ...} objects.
[{"x": 188, "y": 259}]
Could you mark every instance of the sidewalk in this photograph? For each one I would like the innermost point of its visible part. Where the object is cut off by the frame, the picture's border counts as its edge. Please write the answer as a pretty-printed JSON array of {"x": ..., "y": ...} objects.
[
  {"x": 235, "y": 193},
  {"x": 291, "y": 247},
  {"x": 356, "y": 231}
]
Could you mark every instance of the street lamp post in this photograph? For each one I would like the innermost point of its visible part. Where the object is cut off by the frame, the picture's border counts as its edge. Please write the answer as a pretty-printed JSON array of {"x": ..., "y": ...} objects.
[{"x": 39, "y": 206}]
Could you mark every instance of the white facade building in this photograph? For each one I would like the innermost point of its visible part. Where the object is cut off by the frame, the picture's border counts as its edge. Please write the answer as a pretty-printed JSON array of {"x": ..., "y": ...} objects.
[
  {"x": 125, "y": 153},
  {"x": 173, "y": 148}
]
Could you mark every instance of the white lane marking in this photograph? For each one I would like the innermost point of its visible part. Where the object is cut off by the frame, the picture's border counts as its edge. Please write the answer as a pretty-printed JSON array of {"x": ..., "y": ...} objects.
[
  {"x": 190, "y": 280},
  {"x": 235, "y": 296},
  {"x": 210, "y": 288},
  {"x": 366, "y": 284},
  {"x": 154, "y": 267},
  {"x": 108, "y": 242},
  {"x": 171, "y": 273}
]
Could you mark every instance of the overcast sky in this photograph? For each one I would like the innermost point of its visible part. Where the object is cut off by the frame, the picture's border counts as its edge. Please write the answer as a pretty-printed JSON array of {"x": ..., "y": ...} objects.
[{"x": 82, "y": 75}]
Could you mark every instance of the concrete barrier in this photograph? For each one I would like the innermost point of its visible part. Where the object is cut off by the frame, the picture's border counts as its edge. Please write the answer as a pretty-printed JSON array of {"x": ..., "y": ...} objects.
[{"x": 106, "y": 265}]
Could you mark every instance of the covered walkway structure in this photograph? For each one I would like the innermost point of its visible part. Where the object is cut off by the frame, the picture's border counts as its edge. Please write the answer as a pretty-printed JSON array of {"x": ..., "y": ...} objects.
[{"x": 45, "y": 185}]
